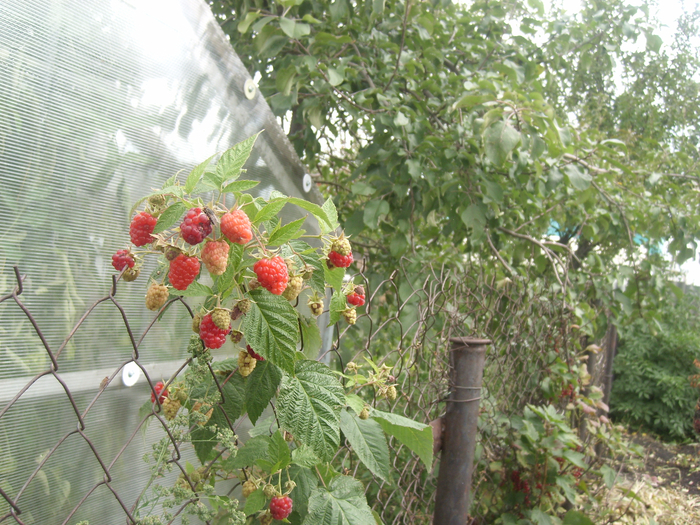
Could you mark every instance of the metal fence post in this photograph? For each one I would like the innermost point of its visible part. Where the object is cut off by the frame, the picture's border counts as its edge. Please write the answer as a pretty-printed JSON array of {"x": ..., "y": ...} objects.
[{"x": 459, "y": 434}]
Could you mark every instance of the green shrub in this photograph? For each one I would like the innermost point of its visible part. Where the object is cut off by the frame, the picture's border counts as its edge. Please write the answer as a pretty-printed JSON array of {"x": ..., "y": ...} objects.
[{"x": 651, "y": 386}]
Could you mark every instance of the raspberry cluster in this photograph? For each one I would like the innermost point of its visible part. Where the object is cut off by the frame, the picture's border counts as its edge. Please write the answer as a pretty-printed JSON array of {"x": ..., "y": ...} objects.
[
  {"x": 336, "y": 260},
  {"x": 215, "y": 256},
  {"x": 235, "y": 225},
  {"x": 272, "y": 274},
  {"x": 281, "y": 507},
  {"x": 195, "y": 226},
  {"x": 162, "y": 394},
  {"x": 141, "y": 228},
  {"x": 122, "y": 259},
  {"x": 183, "y": 271},
  {"x": 357, "y": 297},
  {"x": 246, "y": 363},
  {"x": 212, "y": 335},
  {"x": 156, "y": 296}
]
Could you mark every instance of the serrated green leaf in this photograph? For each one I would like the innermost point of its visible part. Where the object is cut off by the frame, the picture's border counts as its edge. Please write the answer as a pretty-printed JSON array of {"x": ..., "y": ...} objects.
[
  {"x": 232, "y": 160},
  {"x": 355, "y": 402},
  {"x": 255, "y": 502},
  {"x": 279, "y": 455},
  {"x": 286, "y": 233},
  {"x": 416, "y": 436},
  {"x": 203, "y": 441},
  {"x": 540, "y": 518},
  {"x": 270, "y": 210},
  {"x": 343, "y": 503},
  {"x": 499, "y": 140},
  {"x": 575, "y": 458},
  {"x": 609, "y": 475},
  {"x": 170, "y": 216},
  {"x": 334, "y": 277},
  {"x": 375, "y": 211},
  {"x": 271, "y": 328},
  {"x": 309, "y": 407},
  {"x": 194, "y": 290},
  {"x": 260, "y": 388},
  {"x": 324, "y": 221},
  {"x": 196, "y": 174},
  {"x": 338, "y": 305},
  {"x": 367, "y": 439},
  {"x": 234, "y": 401},
  {"x": 304, "y": 456},
  {"x": 254, "y": 449},
  {"x": 310, "y": 337},
  {"x": 331, "y": 213},
  {"x": 240, "y": 185},
  {"x": 306, "y": 481}
]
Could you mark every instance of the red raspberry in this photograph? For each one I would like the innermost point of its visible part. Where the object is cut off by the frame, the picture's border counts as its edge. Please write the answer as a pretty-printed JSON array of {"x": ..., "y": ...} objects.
[
  {"x": 272, "y": 274},
  {"x": 141, "y": 228},
  {"x": 195, "y": 226},
  {"x": 356, "y": 299},
  {"x": 122, "y": 259},
  {"x": 254, "y": 354},
  {"x": 235, "y": 225},
  {"x": 212, "y": 335},
  {"x": 183, "y": 271},
  {"x": 215, "y": 256},
  {"x": 281, "y": 507},
  {"x": 162, "y": 394},
  {"x": 340, "y": 261}
]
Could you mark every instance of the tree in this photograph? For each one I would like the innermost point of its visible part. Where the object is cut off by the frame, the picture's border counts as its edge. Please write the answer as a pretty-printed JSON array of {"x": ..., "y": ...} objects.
[{"x": 493, "y": 129}]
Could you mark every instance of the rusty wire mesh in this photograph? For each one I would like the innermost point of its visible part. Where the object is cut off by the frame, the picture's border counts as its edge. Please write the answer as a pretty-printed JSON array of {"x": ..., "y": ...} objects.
[{"x": 407, "y": 324}]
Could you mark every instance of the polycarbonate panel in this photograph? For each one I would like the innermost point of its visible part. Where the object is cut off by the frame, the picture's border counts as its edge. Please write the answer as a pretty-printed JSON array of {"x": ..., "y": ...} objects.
[{"x": 100, "y": 101}]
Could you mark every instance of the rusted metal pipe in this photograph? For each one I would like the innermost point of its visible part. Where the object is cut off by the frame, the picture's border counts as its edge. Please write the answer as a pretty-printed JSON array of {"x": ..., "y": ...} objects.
[{"x": 459, "y": 435}]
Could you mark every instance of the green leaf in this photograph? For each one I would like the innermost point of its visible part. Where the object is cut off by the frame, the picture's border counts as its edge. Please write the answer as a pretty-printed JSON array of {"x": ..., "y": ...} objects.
[
  {"x": 196, "y": 174},
  {"x": 255, "y": 502},
  {"x": 336, "y": 76},
  {"x": 232, "y": 160},
  {"x": 203, "y": 441},
  {"x": 574, "y": 517},
  {"x": 355, "y": 402},
  {"x": 375, "y": 211},
  {"x": 310, "y": 337},
  {"x": 294, "y": 29},
  {"x": 194, "y": 290},
  {"x": 254, "y": 449},
  {"x": 343, "y": 503},
  {"x": 234, "y": 402},
  {"x": 270, "y": 210},
  {"x": 609, "y": 475},
  {"x": 654, "y": 42},
  {"x": 260, "y": 388},
  {"x": 306, "y": 481},
  {"x": 474, "y": 216},
  {"x": 170, "y": 216},
  {"x": 338, "y": 305},
  {"x": 334, "y": 277},
  {"x": 499, "y": 140},
  {"x": 304, "y": 456},
  {"x": 279, "y": 455},
  {"x": 579, "y": 179},
  {"x": 367, "y": 439},
  {"x": 332, "y": 214},
  {"x": 540, "y": 518},
  {"x": 286, "y": 233},
  {"x": 416, "y": 436},
  {"x": 309, "y": 407},
  {"x": 575, "y": 458},
  {"x": 271, "y": 328},
  {"x": 240, "y": 185},
  {"x": 360, "y": 188},
  {"x": 250, "y": 17},
  {"x": 311, "y": 257},
  {"x": 325, "y": 222}
]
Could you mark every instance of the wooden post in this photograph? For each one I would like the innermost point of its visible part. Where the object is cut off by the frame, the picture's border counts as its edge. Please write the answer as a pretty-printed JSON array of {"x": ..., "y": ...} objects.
[{"x": 459, "y": 435}]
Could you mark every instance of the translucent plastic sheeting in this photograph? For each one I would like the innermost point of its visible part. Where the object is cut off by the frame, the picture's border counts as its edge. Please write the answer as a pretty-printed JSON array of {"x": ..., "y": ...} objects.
[{"x": 100, "y": 101}]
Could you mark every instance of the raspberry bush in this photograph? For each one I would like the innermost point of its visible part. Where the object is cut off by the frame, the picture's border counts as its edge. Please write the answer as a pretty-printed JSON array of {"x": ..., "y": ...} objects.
[{"x": 264, "y": 287}]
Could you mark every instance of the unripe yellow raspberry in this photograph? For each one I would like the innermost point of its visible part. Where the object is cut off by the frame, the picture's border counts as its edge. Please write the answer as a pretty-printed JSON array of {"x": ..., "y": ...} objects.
[
  {"x": 156, "y": 296},
  {"x": 221, "y": 318},
  {"x": 350, "y": 315},
  {"x": 270, "y": 490},
  {"x": 248, "y": 488},
  {"x": 246, "y": 363},
  {"x": 391, "y": 393},
  {"x": 364, "y": 414},
  {"x": 291, "y": 292},
  {"x": 170, "y": 408}
]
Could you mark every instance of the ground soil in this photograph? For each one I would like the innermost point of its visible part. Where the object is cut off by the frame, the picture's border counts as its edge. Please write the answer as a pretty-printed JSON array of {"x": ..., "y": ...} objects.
[{"x": 669, "y": 465}]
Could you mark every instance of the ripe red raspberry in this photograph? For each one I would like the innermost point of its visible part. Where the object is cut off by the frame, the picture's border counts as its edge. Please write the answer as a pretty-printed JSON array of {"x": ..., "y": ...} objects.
[
  {"x": 195, "y": 226},
  {"x": 215, "y": 256},
  {"x": 356, "y": 299},
  {"x": 122, "y": 259},
  {"x": 281, "y": 507},
  {"x": 339, "y": 261},
  {"x": 235, "y": 225},
  {"x": 212, "y": 335},
  {"x": 272, "y": 274},
  {"x": 141, "y": 228},
  {"x": 183, "y": 271},
  {"x": 162, "y": 394},
  {"x": 254, "y": 354}
]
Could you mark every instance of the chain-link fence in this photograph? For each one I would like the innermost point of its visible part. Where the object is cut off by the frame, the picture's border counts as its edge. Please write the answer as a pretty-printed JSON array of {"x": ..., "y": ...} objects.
[{"x": 408, "y": 322}]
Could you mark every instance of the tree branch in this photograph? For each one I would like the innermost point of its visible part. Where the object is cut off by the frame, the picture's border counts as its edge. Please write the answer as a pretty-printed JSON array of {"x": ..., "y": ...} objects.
[{"x": 403, "y": 39}]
